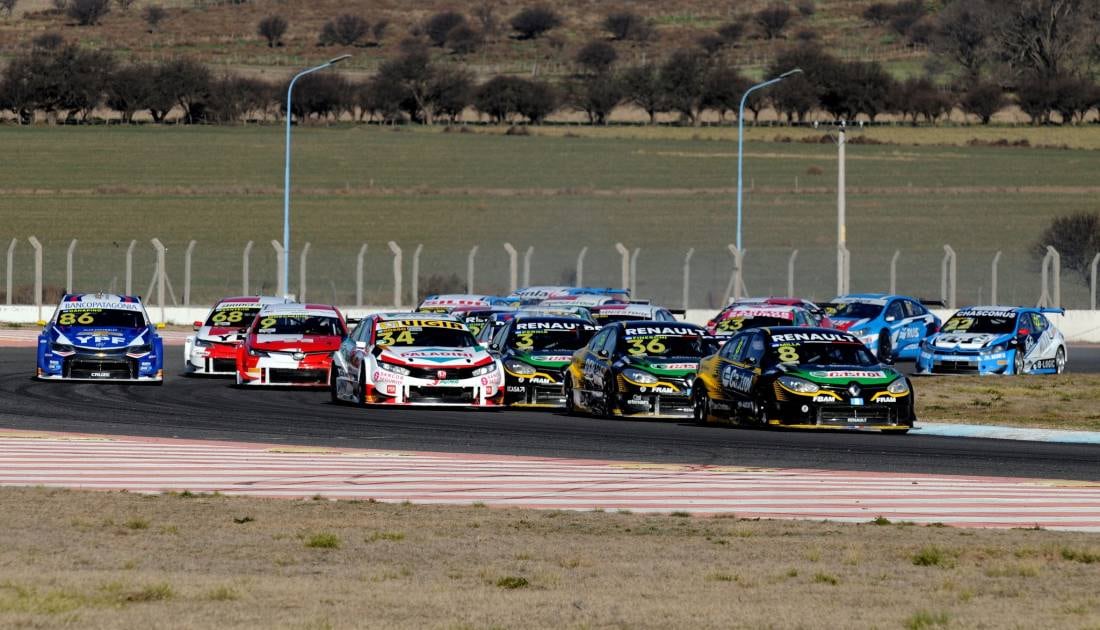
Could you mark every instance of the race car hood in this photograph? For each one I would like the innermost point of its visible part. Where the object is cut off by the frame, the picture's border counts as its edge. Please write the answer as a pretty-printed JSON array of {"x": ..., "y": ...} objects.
[
  {"x": 426, "y": 356},
  {"x": 672, "y": 366},
  {"x": 967, "y": 341},
  {"x": 301, "y": 343},
  {"x": 843, "y": 374},
  {"x": 221, "y": 334},
  {"x": 544, "y": 359},
  {"x": 100, "y": 337},
  {"x": 846, "y": 323}
]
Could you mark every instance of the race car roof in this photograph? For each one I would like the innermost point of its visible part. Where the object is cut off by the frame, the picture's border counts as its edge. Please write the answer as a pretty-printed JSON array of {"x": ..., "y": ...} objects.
[
  {"x": 251, "y": 300},
  {"x": 586, "y": 300},
  {"x": 652, "y": 327},
  {"x": 100, "y": 300},
  {"x": 319, "y": 310},
  {"x": 389, "y": 317},
  {"x": 795, "y": 334},
  {"x": 761, "y": 310},
  {"x": 878, "y": 299},
  {"x": 992, "y": 311},
  {"x": 627, "y": 308},
  {"x": 538, "y": 292},
  {"x": 551, "y": 322}
]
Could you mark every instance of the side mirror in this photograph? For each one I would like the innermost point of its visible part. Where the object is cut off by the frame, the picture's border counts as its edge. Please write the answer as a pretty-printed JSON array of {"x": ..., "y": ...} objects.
[
  {"x": 160, "y": 325},
  {"x": 41, "y": 323},
  {"x": 891, "y": 318},
  {"x": 603, "y": 354},
  {"x": 197, "y": 325}
]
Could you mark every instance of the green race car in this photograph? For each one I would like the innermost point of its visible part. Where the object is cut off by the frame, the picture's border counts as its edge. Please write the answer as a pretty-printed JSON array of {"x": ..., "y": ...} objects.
[
  {"x": 535, "y": 350},
  {"x": 809, "y": 378}
]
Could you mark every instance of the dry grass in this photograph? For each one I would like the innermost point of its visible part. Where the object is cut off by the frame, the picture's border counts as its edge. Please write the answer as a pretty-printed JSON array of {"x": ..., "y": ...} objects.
[
  {"x": 70, "y": 561},
  {"x": 1069, "y": 401}
]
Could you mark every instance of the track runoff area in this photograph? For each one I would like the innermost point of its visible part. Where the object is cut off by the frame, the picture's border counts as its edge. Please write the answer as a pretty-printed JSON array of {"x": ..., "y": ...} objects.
[{"x": 202, "y": 435}]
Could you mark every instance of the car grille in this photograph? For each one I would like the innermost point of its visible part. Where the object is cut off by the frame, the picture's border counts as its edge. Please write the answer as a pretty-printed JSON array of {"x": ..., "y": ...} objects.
[
  {"x": 857, "y": 415},
  {"x": 433, "y": 373},
  {"x": 287, "y": 376},
  {"x": 954, "y": 367},
  {"x": 442, "y": 394},
  {"x": 115, "y": 367},
  {"x": 223, "y": 365}
]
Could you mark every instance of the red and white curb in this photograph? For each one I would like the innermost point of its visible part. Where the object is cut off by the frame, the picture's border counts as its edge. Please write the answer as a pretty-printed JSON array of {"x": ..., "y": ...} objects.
[{"x": 162, "y": 465}]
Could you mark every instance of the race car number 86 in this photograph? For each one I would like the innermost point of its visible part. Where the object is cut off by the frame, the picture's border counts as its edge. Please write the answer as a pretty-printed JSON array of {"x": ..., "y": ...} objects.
[{"x": 68, "y": 319}]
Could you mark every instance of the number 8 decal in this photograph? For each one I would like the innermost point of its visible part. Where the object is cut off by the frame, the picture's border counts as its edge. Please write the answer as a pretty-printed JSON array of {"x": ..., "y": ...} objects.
[{"x": 788, "y": 354}]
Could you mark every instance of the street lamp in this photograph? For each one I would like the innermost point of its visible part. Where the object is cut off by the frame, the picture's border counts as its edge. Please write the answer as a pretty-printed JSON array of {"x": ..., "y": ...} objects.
[
  {"x": 740, "y": 139},
  {"x": 286, "y": 177}
]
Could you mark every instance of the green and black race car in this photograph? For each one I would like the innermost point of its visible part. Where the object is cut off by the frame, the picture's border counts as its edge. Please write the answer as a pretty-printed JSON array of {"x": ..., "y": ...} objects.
[
  {"x": 535, "y": 350},
  {"x": 810, "y": 378},
  {"x": 637, "y": 368}
]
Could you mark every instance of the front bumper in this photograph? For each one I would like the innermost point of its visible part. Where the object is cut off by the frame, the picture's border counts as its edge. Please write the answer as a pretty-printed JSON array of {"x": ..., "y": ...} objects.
[
  {"x": 542, "y": 390},
  {"x": 284, "y": 371},
  {"x": 833, "y": 409},
  {"x": 671, "y": 398},
  {"x": 940, "y": 362},
  {"x": 479, "y": 391},
  {"x": 213, "y": 360},
  {"x": 112, "y": 366}
]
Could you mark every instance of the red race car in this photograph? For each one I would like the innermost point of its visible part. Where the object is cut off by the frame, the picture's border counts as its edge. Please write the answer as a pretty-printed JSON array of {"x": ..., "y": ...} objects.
[
  {"x": 291, "y": 344},
  {"x": 213, "y": 347}
]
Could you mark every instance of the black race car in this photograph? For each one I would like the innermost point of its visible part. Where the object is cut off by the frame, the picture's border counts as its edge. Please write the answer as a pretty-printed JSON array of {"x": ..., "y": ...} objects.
[
  {"x": 639, "y": 368},
  {"x": 813, "y": 378},
  {"x": 535, "y": 350}
]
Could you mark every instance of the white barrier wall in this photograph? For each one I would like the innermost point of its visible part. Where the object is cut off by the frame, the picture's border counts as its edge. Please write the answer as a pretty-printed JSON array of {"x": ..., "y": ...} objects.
[{"x": 1078, "y": 326}]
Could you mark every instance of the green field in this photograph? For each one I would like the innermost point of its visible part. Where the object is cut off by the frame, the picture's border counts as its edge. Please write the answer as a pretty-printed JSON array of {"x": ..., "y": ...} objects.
[{"x": 558, "y": 190}]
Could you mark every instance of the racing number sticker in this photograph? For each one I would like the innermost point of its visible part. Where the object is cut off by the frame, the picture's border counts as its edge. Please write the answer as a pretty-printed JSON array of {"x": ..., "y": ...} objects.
[
  {"x": 525, "y": 340},
  {"x": 228, "y": 317},
  {"x": 732, "y": 324},
  {"x": 386, "y": 338},
  {"x": 958, "y": 324},
  {"x": 68, "y": 319},
  {"x": 641, "y": 346},
  {"x": 788, "y": 354},
  {"x": 267, "y": 323}
]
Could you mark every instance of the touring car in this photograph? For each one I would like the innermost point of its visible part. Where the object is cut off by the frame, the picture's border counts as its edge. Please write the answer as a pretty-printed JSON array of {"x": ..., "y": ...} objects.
[
  {"x": 734, "y": 319},
  {"x": 529, "y": 296},
  {"x": 535, "y": 350},
  {"x": 816, "y": 378},
  {"x": 559, "y": 311},
  {"x": 415, "y": 359},
  {"x": 449, "y": 302},
  {"x": 995, "y": 340},
  {"x": 817, "y": 314},
  {"x": 212, "y": 350},
  {"x": 891, "y": 326},
  {"x": 100, "y": 337},
  {"x": 637, "y": 369},
  {"x": 477, "y": 318},
  {"x": 290, "y": 344}
]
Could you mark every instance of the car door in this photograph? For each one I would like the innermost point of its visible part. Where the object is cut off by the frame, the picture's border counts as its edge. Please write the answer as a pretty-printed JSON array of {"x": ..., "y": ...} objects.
[
  {"x": 719, "y": 367},
  {"x": 586, "y": 362},
  {"x": 600, "y": 373},
  {"x": 1044, "y": 340},
  {"x": 894, "y": 316},
  {"x": 740, "y": 375}
]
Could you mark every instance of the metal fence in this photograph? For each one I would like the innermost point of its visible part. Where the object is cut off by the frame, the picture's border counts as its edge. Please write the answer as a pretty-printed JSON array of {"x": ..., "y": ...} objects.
[{"x": 390, "y": 273}]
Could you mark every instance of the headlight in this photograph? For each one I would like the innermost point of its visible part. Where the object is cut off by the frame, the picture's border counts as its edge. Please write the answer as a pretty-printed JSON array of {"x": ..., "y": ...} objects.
[
  {"x": 898, "y": 387},
  {"x": 638, "y": 376},
  {"x": 199, "y": 343},
  {"x": 62, "y": 348},
  {"x": 141, "y": 349},
  {"x": 481, "y": 371},
  {"x": 798, "y": 385},
  {"x": 517, "y": 367},
  {"x": 997, "y": 348},
  {"x": 396, "y": 369},
  {"x": 252, "y": 352}
]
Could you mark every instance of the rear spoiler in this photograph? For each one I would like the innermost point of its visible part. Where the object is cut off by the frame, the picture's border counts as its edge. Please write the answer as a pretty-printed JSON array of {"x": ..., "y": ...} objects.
[
  {"x": 350, "y": 321},
  {"x": 679, "y": 312},
  {"x": 639, "y": 302},
  {"x": 1055, "y": 311},
  {"x": 938, "y": 303}
]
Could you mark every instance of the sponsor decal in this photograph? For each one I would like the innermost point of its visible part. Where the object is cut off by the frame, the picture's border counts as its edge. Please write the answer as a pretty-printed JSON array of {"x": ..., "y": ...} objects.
[
  {"x": 778, "y": 313},
  {"x": 824, "y": 399},
  {"x": 437, "y": 354},
  {"x": 100, "y": 306},
  {"x": 735, "y": 380},
  {"x": 667, "y": 331},
  {"x": 1041, "y": 364},
  {"x": 420, "y": 323},
  {"x": 886, "y": 399},
  {"x": 516, "y": 389},
  {"x": 849, "y": 374},
  {"x": 537, "y": 326},
  {"x": 787, "y": 338},
  {"x": 986, "y": 312},
  {"x": 674, "y": 366}
]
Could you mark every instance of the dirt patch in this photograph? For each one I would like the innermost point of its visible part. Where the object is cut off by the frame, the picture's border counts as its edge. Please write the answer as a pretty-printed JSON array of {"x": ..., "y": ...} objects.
[{"x": 106, "y": 560}]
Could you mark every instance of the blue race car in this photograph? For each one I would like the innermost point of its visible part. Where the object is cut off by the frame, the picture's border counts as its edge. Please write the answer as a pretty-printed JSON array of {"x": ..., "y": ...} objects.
[
  {"x": 891, "y": 326},
  {"x": 995, "y": 340},
  {"x": 100, "y": 337}
]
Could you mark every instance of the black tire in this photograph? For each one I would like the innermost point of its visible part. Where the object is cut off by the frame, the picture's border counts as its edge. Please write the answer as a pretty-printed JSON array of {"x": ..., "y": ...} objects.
[
  {"x": 567, "y": 390},
  {"x": 760, "y": 413},
  {"x": 1060, "y": 360},
  {"x": 885, "y": 347},
  {"x": 609, "y": 392},
  {"x": 1018, "y": 362},
  {"x": 332, "y": 387},
  {"x": 700, "y": 404},
  {"x": 361, "y": 395}
]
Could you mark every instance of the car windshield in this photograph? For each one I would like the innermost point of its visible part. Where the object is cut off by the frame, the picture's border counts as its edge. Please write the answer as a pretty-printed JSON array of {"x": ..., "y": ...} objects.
[
  {"x": 606, "y": 318},
  {"x": 857, "y": 310},
  {"x": 106, "y": 317},
  {"x": 658, "y": 344},
  {"x": 567, "y": 336},
  {"x": 823, "y": 353},
  {"x": 288, "y": 324},
  {"x": 443, "y": 333},
  {"x": 973, "y": 323},
  {"x": 737, "y": 323},
  {"x": 232, "y": 316}
]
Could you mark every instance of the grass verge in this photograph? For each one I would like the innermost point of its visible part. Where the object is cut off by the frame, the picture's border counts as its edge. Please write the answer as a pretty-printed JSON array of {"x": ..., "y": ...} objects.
[
  {"x": 69, "y": 562},
  {"x": 1069, "y": 401}
]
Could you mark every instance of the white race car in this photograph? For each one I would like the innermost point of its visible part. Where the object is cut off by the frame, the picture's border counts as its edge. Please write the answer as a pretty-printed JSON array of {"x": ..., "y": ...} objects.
[
  {"x": 415, "y": 359},
  {"x": 213, "y": 347}
]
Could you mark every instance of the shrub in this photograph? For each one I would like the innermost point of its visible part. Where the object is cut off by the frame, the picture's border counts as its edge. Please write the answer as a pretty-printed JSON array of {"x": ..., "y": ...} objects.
[
  {"x": 731, "y": 32},
  {"x": 8, "y": 5},
  {"x": 463, "y": 40},
  {"x": 323, "y": 541},
  {"x": 378, "y": 31},
  {"x": 440, "y": 25},
  {"x": 532, "y": 22},
  {"x": 597, "y": 56},
  {"x": 806, "y": 7},
  {"x": 272, "y": 28},
  {"x": 983, "y": 100},
  {"x": 1076, "y": 237},
  {"x": 711, "y": 43},
  {"x": 88, "y": 12},
  {"x": 627, "y": 25},
  {"x": 124, "y": 5},
  {"x": 153, "y": 15},
  {"x": 344, "y": 30},
  {"x": 48, "y": 41},
  {"x": 773, "y": 19},
  {"x": 512, "y": 582}
]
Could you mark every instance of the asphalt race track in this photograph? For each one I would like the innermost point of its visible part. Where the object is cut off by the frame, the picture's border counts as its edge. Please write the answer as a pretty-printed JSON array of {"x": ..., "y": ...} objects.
[{"x": 202, "y": 408}]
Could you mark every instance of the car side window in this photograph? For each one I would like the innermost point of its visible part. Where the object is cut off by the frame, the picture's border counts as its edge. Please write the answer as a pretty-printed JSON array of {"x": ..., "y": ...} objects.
[
  {"x": 912, "y": 309},
  {"x": 753, "y": 349},
  {"x": 896, "y": 310},
  {"x": 597, "y": 342},
  {"x": 733, "y": 346},
  {"x": 1038, "y": 324},
  {"x": 501, "y": 336},
  {"x": 664, "y": 316},
  {"x": 609, "y": 343}
]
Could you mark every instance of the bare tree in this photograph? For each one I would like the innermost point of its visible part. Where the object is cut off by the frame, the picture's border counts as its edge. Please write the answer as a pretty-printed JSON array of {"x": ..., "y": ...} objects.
[
  {"x": 486, "y": 16},
  {"x": 1077, "y": 239},
  {"x": 532, "y": 22},
  {"x": 1044, "y": 36},
  {"x": 344, "y": 30},
  {"x": 597, "y": 56},
  {"x": 272, "y": 28},
  {"x": 440, "y": 25},
  {"x": 88, "y": 12},
  {"x": 124, "y": 5},
  {"x": 628, "y": 25},
  {"x": 773, "y": 19},
  {"x": 154, "y": 14},
  {"x": 8, "y": 5}
]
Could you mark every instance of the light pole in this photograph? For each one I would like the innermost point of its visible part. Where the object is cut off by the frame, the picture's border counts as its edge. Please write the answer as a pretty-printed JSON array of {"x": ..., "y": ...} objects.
[
  {"x": 740, "y": 139},
  {"x": 286, "y": 176}
]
